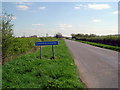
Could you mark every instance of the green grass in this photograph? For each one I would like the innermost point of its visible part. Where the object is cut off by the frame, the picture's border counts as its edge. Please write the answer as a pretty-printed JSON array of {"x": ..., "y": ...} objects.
[
  {"x": 0, "y": 76},
  {"x": 101, "y": 45},
  {"x": 28, "y": 71}
]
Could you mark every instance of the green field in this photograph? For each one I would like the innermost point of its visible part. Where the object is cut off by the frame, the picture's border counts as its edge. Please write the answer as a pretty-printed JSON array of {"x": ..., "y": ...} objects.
[
  {"x": 101, "y": 45},
  {"x": 28, "y": 71}
]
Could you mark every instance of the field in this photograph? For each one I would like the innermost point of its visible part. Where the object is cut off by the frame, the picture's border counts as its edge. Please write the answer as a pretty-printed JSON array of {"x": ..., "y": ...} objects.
[{"x": 28, "y": 71}]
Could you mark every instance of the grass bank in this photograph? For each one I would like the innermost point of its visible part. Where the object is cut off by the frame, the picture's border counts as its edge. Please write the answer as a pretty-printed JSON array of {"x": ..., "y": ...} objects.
[
  {"x": 28, "y": 71},
  {"x": 18, "y": 46},
  {"x": 101, "y": 45}
]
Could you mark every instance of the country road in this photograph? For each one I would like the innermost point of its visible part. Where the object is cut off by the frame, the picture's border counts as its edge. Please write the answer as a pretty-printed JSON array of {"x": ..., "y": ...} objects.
[{"x": 98, "y": 67}]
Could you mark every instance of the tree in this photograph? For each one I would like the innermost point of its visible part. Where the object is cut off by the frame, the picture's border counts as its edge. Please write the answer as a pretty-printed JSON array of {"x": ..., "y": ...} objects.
[
  {"x": 73, "y": 35},
  {"x": 7, "y": 33},
  {"x": 58, "y": 35},
  {"x": 86, "y": 35},
  {"x": 92, "y": 35},
  {"x": 79, "y": 35}
]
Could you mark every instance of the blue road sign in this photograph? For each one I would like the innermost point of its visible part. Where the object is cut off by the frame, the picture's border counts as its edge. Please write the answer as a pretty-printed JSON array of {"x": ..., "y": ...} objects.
[{"x": 46, "y": 43}]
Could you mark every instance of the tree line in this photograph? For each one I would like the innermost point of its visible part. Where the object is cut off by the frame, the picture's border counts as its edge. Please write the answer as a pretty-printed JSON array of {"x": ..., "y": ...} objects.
[{"x": 106, "y": 39}]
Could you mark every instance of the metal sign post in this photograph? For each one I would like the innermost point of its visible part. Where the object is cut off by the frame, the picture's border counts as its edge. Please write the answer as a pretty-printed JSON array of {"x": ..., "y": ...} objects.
[
  {"x": 47, "y": 43},
  {"x": 53, "y": 56},
  {"x": 40, "y": 52}
]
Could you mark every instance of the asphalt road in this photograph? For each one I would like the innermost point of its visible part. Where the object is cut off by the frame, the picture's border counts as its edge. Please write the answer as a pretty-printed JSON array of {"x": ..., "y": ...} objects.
[{"x": 98, "y": 67}]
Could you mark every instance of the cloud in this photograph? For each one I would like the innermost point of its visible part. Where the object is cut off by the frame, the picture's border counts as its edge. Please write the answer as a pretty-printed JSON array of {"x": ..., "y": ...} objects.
[
  {"x": 97, "y": 20},
  {"x": 24, "y": 0},
  {"x": 22, "y": 7},
  {"x": 98, "y": 6},
  {"x": 37, "y": 24},
  {"x": 77, "y": 7},
  {"x": 42, "y": 8},
  {"x": 93, "y": 6},
  {"x": 23, "y": 3},
  {"x": 116, "y": 12},
  {"x": 82, "y": 5}
]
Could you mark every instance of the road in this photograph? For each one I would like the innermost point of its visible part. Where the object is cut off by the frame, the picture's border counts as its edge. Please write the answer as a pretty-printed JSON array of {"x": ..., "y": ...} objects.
[{"x": 98, "y": 67}]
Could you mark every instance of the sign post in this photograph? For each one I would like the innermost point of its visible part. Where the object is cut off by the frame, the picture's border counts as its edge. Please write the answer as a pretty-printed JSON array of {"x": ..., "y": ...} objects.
[
  {"x": 40, "y": 52},
  {"x": 47, "y": 43},
  {"x": 53, "y": 56}
]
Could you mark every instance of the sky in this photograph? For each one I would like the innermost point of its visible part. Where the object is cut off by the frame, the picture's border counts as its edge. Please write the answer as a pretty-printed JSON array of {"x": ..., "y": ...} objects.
[{"x": 41, "y": 18}]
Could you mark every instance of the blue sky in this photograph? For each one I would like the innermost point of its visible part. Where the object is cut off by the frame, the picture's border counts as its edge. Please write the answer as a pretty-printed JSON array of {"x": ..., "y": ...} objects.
[{"x": 65, "y": 17}]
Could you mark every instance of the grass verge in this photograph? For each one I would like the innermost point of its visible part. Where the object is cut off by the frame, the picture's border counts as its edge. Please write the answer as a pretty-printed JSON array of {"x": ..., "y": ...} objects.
[
  {"x": 101, "y": 45},
  {"x": 0, "y": 76},
  {"x": 28, "y": 71}
]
